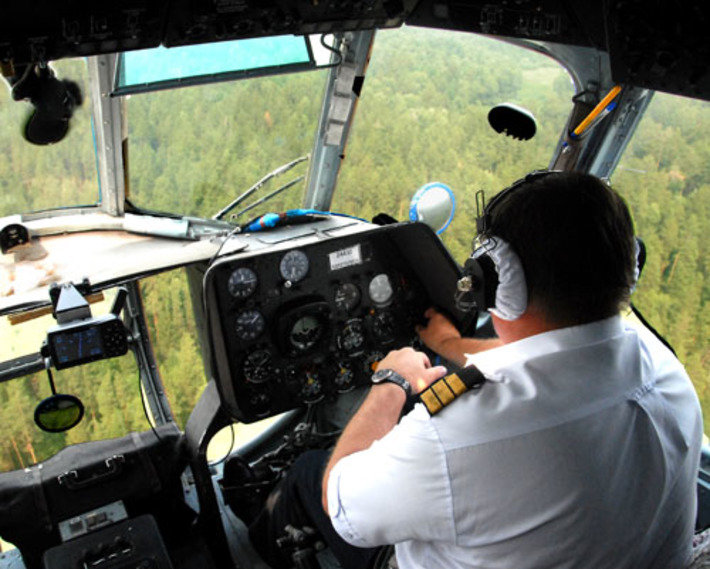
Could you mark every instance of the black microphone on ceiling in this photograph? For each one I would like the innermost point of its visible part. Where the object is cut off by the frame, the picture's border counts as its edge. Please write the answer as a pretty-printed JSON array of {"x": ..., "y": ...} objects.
[{"x": 54, "y": 101}]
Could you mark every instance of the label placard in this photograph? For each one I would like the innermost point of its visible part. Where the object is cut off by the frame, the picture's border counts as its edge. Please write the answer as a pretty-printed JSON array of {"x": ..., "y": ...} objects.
[{"x": 345, "y": 257}]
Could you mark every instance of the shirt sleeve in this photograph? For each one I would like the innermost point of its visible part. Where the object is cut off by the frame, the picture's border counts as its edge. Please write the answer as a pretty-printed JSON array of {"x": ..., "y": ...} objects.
[{"x": 396, "y": 490}]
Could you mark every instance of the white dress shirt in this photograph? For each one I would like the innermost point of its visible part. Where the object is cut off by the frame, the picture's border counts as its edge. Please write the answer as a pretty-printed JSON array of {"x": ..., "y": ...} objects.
[{"x": 581, "y": 450}]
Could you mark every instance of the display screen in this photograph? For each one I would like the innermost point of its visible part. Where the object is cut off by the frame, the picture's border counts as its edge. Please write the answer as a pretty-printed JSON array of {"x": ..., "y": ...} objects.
[
  {"x": 77, "y": 345},
  {"x": 345, "y": 258}
]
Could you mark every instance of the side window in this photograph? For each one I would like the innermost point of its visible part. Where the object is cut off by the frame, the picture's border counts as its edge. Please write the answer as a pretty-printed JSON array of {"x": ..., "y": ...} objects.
[
  {"x": 173, "y": 334},
  {"x": 109, "y": 390},
  {"x": 664, "y": 176}
]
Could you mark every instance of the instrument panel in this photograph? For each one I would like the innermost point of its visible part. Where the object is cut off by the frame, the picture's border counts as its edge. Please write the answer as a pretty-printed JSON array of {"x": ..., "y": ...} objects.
[{"x": 293, "y": 325}]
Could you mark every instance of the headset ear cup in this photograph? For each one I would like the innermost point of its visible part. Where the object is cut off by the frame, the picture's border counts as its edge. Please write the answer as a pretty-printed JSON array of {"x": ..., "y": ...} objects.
[{"x": 484, "y": 280}]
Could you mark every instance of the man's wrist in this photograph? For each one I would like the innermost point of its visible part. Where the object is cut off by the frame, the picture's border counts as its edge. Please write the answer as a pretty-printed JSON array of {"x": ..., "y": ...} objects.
[
  {"x": 452, "y": 349},
  {"x": 389, "y": 391}
]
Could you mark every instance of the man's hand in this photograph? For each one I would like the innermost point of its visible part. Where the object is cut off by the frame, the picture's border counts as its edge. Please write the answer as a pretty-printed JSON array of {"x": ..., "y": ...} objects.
[
  {"x": 413, "y": 366},
  {"x": 441, "y": 336},
  {"x": 438, "y": 332}
]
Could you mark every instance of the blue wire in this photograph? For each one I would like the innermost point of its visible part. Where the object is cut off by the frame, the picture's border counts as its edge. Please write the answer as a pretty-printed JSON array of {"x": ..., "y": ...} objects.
[{"x": 271, "y": 219}]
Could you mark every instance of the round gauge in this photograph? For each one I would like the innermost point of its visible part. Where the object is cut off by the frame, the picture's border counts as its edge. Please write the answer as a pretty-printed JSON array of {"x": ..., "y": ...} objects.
[
  {"x": 344, "y": 377},
  {"x": 352, "y": 336},
  {"x": 371, "y": 361},
  {"x": 258, "y": 400},
  {"x": 380, "y": 289},
  {"x": 312, "y": 389},
  {"x": 294, "y": 266},
  {"x": 242, "y": 282},
  {"x": 347, "y": 296},
  {"x": 383, "y": 325},
  {"x": 305, "y": 332},
  {"x": 258, "y": 367},
  {"x": 250, "y": 324}
]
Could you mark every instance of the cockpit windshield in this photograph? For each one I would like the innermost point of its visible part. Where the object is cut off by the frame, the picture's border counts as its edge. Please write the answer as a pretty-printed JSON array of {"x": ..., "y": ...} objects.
[
  {"x": 192, "y": 151},
  {"x": 422, "y": 116}
]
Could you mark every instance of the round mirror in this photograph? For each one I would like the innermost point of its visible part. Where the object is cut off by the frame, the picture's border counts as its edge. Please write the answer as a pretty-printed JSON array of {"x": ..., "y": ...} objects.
[
  {"x": 59, "y": 413},
  {"x": 433, "y": 204}
]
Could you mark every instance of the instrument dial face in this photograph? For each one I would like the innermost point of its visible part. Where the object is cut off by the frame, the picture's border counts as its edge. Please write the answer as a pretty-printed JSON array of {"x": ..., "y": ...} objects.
[
  {"x": 347, "y": 296},
  {"x": 250, "y": 324},
  {"x": 344, "y": 377},
  {"x": 380, "y": 289},
  {"x": 312, "y": 389},
  {"x": 371, "y": 361},
  {"x": 294, "y": 266},
  {"x": 242, "y": 282},
  {"x": 305, "y": 333},
  {"x": 383, "y": 325},
  {"x": 258, "y": 367},
  {"x": 352, "y": 336},
  {"x": 259, "y": 400}
]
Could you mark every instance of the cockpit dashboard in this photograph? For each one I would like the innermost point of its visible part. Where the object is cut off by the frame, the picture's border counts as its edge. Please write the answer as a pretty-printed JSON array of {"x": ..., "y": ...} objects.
[{"x": 309, "y": 318}]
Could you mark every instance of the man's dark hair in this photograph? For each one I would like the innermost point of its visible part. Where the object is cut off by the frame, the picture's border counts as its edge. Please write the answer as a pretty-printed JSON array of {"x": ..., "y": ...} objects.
[{"x": 575, "y": 238}]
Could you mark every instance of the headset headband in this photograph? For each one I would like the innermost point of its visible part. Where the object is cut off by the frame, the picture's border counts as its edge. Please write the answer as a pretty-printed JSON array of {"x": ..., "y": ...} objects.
[{"x": 484, "y": 210}]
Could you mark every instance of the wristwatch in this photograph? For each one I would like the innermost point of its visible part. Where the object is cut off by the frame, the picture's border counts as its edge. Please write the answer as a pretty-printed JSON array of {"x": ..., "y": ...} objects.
[{"x": 382, "y": 375}]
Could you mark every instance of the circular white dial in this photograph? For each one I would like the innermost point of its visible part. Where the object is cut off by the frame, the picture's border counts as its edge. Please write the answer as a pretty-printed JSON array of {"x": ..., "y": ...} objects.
[
  {"x": 380, "y": 289},
  {"x": 294, "y": 266}
]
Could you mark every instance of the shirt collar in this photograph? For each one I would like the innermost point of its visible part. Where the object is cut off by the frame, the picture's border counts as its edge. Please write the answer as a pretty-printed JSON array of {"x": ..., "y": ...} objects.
[{"x": 554, "y": 341}]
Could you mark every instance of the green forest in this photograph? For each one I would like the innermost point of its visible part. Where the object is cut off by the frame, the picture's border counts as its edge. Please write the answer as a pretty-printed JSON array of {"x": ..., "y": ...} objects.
[{"x": 421, "y": 118}]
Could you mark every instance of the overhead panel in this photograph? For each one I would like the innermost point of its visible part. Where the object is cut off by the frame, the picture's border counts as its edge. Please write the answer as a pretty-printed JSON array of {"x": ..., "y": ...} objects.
[
  {"x": 46, "y": 31},
  {"x": 661, "y": 45}
]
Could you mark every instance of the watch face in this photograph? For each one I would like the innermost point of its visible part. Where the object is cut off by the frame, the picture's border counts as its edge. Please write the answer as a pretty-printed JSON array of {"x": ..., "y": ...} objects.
[{"x": 380, "y": 375}]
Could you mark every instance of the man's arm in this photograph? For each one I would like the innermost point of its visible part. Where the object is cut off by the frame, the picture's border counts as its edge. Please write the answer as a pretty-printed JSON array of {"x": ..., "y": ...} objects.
[
  {"x": 382, "y": 407},
  {"x": 442, "y": 337}
]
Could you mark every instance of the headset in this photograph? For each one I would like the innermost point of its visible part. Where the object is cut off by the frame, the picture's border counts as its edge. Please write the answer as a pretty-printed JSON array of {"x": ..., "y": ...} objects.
[{"x": 493, "y": 278}]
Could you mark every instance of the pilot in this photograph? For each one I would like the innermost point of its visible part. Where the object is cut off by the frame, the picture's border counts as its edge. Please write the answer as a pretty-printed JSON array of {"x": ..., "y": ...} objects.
[{"x": 579, "y": 445}]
